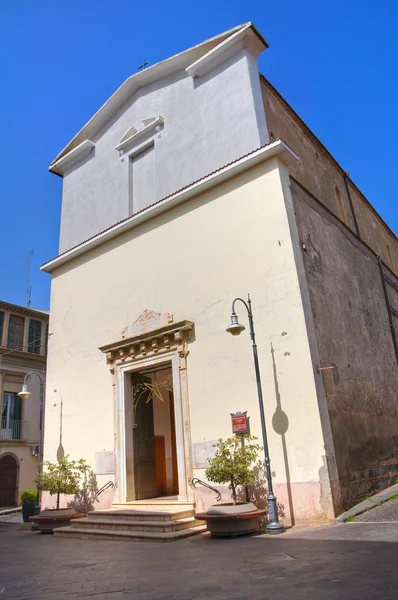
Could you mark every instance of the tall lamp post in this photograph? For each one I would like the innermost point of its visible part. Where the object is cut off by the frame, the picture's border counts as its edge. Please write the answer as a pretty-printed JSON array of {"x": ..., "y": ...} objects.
[
  {"x": 24, "y": 394},
  {"x": 274, "y": 527}
]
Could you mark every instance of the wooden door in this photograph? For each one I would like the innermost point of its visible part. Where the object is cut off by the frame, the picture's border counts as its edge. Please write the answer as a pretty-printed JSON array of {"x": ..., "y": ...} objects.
[
  {"x": 173, "y": 445},
  {"x": 143, "y": 440},
  {"x": 8, "y": 481},
  {"x": 160, "y": 459}
]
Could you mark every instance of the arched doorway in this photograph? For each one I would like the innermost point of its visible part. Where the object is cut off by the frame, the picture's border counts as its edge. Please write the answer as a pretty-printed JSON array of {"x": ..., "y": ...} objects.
[{"x": 8, "y": 480}]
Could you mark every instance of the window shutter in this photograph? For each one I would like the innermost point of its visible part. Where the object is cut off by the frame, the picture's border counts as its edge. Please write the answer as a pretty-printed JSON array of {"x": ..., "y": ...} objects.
[
  {"x": 34, "y": 336},
  {"x": 15, "y": 332}
]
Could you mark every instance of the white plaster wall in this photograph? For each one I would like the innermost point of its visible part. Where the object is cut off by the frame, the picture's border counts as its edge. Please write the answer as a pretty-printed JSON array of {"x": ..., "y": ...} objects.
[
  {"x": 192, "y": 261},
  {"x": 208, "y": 122}
]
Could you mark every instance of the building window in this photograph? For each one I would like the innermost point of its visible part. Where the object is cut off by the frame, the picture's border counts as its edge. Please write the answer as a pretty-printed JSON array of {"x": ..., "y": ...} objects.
[
  {"x": 1, "y": 327},
  {"x": 15, "y": 332},
  {"x": 34, "y": 337},
  {"x": 142, "y": 180},
  {"x": 11, "y": 417}
]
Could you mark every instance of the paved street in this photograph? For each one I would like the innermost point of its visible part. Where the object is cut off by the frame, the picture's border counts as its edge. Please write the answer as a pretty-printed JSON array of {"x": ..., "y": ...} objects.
[
  {"x": 344, "y": 562},
  {"x": 385, "y": 512}
]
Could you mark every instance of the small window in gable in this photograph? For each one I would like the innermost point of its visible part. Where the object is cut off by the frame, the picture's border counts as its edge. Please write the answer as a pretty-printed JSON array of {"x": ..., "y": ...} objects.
[
  {"x": 142, "y": 180},
  {"x": 138, "y": 146}
]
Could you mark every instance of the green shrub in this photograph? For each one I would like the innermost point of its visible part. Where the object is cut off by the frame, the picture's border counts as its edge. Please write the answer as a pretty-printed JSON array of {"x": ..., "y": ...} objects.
[
  {"x": 234, "y": 463},
  {"x": 29, "y": 496},
  {"x": 63, "y": 477}
]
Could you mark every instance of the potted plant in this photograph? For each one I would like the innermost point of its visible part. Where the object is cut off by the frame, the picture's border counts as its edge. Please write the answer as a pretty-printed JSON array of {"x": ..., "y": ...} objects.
[
  {"x": 61, "y": 477},
  {"x": 234, "y": 463},
  {"x": 30, "y": 506}
]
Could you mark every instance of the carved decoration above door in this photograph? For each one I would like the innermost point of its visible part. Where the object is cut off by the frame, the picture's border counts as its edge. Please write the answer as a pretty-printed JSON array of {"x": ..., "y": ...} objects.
[{"x": 174, "y": 336}]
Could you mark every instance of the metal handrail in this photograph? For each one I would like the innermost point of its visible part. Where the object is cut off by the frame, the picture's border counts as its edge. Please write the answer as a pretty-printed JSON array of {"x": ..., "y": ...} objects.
[
  {"x": 107, "y": 485},
  {"x": 215, "y": 490}
]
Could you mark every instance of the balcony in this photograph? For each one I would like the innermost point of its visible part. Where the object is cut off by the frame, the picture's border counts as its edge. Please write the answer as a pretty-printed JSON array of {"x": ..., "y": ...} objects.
[{"x": 11, "y": 429}]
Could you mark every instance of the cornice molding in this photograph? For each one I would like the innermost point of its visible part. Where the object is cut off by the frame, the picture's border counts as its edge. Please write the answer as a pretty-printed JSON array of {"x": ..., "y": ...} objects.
[
  {"x": 9, "y": 353},
  {"x": 68, "y": 160},
  {"x": 245, "y": 38},
  {"x": 171, "y": 337},
  {"x": 274, "y": 149},
  {"x": 22, "y": 310}
]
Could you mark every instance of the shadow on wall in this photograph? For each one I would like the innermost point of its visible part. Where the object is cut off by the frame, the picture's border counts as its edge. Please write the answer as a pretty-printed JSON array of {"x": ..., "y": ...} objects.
[
  {"x": 85, "y": 500},
  {"x": 280, "y": 423},
  {"x": 257, "y": 492}
]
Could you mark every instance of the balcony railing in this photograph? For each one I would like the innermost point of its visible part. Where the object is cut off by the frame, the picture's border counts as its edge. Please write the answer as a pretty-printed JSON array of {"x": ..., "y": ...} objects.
[{"x": 11, "y": 429}]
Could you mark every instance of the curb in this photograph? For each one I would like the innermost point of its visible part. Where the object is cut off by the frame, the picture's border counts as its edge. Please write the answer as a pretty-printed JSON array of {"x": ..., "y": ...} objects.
[{"x": 372, "y": 502}]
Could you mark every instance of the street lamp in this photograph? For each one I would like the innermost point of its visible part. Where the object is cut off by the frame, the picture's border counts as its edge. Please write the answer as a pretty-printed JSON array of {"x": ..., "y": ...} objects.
[
  {"x": 273, "y": 526},
  {"x": 24, "y": 394}
]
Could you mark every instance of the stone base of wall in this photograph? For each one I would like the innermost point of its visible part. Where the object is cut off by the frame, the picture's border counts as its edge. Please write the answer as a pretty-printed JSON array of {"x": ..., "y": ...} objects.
[{"x": 299, "y": 503}]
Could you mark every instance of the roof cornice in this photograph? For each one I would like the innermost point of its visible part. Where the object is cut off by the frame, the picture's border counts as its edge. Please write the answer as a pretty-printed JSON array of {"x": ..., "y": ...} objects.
[
  {"x": 246, "y": 37},
  {"x": 68, "y": 160},
  {"x": 275, "y": 149},
  {"x": 24, "y": 310}
]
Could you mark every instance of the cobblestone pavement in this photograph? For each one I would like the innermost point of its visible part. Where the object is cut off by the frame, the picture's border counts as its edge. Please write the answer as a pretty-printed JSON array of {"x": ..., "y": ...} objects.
[
  {"x": 11, "y": 518},
  {"x": 344, "y": 562},
  {"x": 388, "y": 511}
]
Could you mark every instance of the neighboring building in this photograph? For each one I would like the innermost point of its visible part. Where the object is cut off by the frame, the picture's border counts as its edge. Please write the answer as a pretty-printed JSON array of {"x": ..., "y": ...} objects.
[
  {"x": 178, "y": 196},
  {"x": 23, "y": 348}
]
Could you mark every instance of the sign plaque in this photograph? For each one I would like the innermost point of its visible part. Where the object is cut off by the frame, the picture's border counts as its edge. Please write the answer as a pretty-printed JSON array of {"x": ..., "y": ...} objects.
[{"x": 240, "y": 423}]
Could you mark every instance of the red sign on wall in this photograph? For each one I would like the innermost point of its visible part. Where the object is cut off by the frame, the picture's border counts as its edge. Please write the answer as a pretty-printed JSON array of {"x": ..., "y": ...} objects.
[{"x": 239, "y": 422}]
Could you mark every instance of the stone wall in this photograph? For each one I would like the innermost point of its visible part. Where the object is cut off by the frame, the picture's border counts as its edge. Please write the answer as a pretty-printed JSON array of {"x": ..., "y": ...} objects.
[
  {"x": 323, "y": 177},
  {"x": 354, "y": 338}
]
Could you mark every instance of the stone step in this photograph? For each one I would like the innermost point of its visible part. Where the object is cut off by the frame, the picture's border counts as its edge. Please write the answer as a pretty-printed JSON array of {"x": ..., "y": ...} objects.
[
  {"x": 139, "y": 536},
  {"x": 130, "y": 525},
  {"x": 151, "y": 505},
  {"x": 142, "y": 515}
]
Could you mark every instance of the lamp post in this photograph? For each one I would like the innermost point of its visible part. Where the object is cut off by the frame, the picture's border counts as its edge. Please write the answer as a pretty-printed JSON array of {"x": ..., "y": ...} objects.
[
  {"x": 273, "y": 526},
  {"x": 24, "y": 394}
]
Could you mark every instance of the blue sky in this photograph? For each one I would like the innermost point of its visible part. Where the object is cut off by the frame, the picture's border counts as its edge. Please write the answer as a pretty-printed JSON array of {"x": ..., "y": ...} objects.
[{"x": 335, "y": 63}]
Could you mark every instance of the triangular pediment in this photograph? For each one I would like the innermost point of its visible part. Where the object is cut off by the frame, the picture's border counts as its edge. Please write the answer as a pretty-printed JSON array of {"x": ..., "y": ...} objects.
[
  {"x": 134, "y": 134},
  {"x": 128, "y": 134}
]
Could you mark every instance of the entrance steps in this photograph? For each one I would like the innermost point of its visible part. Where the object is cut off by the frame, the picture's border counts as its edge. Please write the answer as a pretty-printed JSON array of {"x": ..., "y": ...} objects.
[{"x": 145, "y": 522}]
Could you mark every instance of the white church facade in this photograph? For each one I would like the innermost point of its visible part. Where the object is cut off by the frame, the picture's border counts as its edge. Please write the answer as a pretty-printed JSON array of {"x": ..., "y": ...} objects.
[{"x": 177, "y": 199}]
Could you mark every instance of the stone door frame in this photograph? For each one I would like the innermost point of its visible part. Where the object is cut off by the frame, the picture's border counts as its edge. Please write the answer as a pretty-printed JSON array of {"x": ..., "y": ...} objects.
[{"x": 164, "y": 346}]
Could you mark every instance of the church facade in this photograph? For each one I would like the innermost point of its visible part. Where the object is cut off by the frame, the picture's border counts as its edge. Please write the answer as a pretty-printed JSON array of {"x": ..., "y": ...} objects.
[{"x": 194, "y": 184}]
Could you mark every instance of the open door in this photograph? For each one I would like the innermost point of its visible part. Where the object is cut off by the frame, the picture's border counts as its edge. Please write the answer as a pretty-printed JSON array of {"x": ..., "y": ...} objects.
[{"x": 143, "y": 439}]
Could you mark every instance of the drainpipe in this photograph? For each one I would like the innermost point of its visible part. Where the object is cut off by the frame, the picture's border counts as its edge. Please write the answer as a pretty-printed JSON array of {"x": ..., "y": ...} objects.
[
  {"x": 388, "y": 306},
  {"x": 346, "y": 177}
]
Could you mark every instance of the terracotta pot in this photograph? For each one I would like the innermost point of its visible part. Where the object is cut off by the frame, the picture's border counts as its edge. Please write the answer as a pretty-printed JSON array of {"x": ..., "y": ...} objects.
[
  {"x": 232, "y": 520},
  {"x": 51, "y": 519}
]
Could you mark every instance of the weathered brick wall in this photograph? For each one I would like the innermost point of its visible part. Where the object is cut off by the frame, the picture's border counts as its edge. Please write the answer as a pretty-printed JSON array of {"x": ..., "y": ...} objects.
[
  {"x": 354, "y": 337},
  {"x": 321, "y": 175}
]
